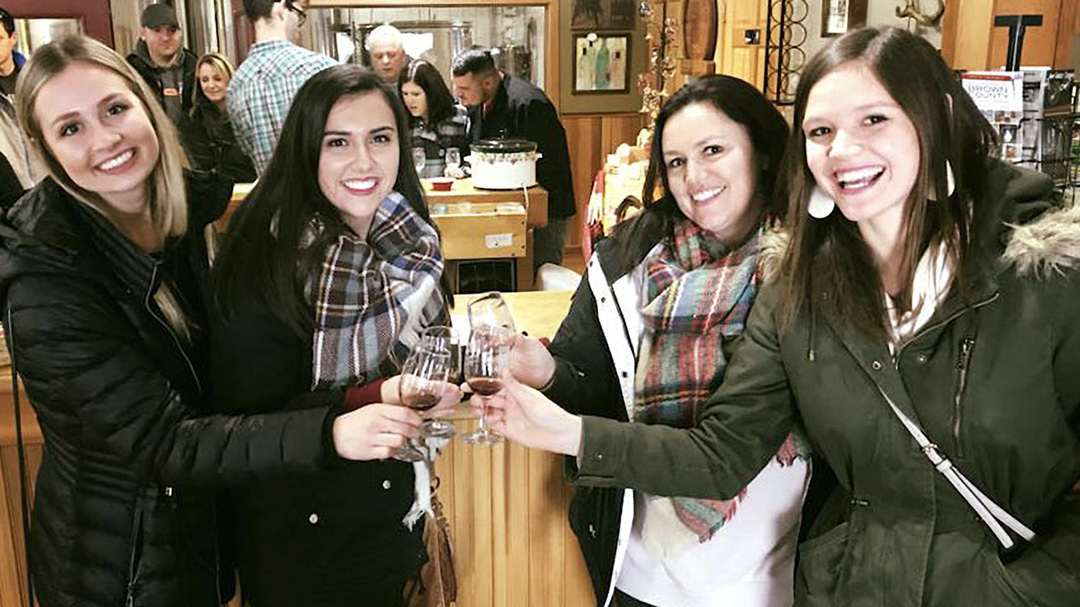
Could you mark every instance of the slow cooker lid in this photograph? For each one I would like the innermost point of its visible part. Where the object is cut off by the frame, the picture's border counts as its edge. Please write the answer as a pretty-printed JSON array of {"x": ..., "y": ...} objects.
[{"x": 504, "y": 146}]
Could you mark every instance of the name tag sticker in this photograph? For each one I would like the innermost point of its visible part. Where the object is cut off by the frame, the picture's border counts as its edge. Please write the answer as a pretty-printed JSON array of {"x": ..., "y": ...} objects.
[
  {"x": 171, "y": 92},
  {"x": 495, "y": 241}
]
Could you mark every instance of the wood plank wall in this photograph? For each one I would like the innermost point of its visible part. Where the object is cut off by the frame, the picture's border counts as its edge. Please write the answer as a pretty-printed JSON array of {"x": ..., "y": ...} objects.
[{"x": 591, "y": 137}]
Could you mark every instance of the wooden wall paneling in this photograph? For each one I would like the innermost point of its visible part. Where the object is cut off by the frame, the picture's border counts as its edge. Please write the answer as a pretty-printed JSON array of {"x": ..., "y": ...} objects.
[
  {"x": 516, "y": 479},
  {"x": 1040, "y": 43},
  {"x": 734, "y": 56},
  {"x": 1068, "y": 27},
  {"x": 583, "y": 139},
  {"x": 965, "y": 36}
]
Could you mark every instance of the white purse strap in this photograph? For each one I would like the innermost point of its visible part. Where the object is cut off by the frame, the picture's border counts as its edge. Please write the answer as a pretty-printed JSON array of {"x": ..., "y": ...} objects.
[{"x": 993, "y": 515}]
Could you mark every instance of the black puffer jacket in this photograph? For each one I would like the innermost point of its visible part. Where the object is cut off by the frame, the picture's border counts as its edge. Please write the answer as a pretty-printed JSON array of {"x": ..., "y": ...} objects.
[{"x": 117, "y": 393}]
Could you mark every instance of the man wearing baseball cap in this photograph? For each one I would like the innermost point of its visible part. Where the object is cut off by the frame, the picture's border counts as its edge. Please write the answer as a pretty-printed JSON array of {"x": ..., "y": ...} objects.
[{"x": 163, "y": 62}]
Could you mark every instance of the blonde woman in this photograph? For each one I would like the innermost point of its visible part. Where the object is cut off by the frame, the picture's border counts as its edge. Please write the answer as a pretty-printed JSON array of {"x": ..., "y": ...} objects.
[
  {"x": 208, "y": 136},
  {"x": 101, "y": 275}
]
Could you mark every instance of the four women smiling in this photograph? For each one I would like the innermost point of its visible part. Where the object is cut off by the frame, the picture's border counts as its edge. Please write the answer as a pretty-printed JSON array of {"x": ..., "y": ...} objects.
[{"x": 885, "y": 295}]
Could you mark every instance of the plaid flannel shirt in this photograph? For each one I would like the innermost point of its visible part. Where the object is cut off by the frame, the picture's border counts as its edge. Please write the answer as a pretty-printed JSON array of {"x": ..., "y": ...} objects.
[{"x": 262, "y": 90}]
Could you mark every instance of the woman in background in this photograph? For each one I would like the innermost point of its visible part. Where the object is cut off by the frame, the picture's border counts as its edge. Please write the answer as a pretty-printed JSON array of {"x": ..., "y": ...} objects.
[
  {"x": 439, "y": 127},
  {"x": 209, "y": 140},
  {"x": 329, "y": 272}
]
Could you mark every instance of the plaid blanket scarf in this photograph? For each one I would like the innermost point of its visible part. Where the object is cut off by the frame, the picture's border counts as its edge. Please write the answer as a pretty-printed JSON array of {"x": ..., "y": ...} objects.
[
  {"x": 375, "y": 295},
  {"x": 697, "y": 295}
]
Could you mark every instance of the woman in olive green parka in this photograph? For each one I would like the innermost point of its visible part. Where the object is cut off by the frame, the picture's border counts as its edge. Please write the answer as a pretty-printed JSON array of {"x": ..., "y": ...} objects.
[{"x": 920, "y": 273}]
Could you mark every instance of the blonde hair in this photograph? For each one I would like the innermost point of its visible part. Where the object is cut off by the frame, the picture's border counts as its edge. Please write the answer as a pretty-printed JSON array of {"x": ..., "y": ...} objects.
[
  {"x": 167, "y": 191},
  {"x": 217, "y": 61}
]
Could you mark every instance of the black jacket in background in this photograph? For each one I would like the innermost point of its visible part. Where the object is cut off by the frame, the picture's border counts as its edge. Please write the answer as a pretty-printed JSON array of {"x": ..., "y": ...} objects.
[
  {"x": 211, "y": 145},
  {"x": 120, "y": 398},
  {"x": 140, "y": 60},
  {"x": 322, "y": 540},
  {"x": 522, "y": 111}
]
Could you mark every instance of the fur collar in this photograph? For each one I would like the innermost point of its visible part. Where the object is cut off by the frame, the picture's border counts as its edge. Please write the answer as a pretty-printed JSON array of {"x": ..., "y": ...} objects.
[{"x": 1048, "y": 245}]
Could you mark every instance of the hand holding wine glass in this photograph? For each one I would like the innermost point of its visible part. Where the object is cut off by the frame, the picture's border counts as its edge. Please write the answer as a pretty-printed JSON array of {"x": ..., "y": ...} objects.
[
  {"x": 425, "y": 381},
  {"x": 525, "y": 416},
  {"x": 487, "y": 357}
]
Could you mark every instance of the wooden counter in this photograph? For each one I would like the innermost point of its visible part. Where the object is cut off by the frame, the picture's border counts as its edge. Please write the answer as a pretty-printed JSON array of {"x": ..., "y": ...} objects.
[
  {"x": 507, "y": 505},
  {"x": 534, "y": 199},
  {"x": 466, "y": 228}
]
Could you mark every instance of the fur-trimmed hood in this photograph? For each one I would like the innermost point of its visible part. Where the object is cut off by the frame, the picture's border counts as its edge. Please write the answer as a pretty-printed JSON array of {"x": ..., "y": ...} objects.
[{"x": 1050, "y": 244}]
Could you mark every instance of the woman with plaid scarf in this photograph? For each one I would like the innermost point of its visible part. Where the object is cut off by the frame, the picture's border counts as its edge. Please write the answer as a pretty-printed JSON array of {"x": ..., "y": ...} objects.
[
  {"x": 331, "y": 269},
  {"x": 668, "y": 293}
]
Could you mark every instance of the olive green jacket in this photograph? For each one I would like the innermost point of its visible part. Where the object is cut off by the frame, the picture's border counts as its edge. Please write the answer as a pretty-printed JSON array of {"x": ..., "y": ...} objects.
[{"x": 994, "y": 380}]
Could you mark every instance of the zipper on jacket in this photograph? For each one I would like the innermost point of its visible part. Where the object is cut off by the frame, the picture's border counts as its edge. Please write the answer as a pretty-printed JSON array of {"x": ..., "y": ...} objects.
[
  {"x": 966, "y": 346},
  {"x": 169, "y": 329},
  {"x": 136, "y": 553},
  {"x": 941, "y": 323}
]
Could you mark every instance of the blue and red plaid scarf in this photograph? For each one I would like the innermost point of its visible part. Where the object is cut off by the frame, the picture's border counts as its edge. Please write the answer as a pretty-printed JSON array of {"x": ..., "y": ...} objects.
[
  {"x": 375, "y": 295},
  {"x": 697, "y": 295}
]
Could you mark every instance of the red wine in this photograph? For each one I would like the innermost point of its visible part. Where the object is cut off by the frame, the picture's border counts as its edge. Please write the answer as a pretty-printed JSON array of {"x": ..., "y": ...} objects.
[
  {"x": 421, "y": 401},
  {"x": 485, "y": 386}
]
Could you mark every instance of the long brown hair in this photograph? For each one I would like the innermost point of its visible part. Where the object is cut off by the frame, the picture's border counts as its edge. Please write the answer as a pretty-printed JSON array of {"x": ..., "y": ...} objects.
[{"x": 828, "y": 263}]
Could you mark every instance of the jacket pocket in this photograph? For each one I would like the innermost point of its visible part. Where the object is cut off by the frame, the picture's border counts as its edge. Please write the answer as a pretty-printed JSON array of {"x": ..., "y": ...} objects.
[
  {"x": 1048, "y": 572},
  {"x": 820, "y": 560}
]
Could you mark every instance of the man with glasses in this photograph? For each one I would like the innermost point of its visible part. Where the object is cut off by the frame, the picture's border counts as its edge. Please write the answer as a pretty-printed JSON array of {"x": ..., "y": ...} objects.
[
  {"x": 262, "y": 90},
  {"x": 163, "y": 62},
  {"x": 18, "y": 168}
]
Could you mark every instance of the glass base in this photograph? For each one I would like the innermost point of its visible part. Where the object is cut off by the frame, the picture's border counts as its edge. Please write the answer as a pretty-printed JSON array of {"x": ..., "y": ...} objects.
[
  {"x": 482, "y": 437},
  {"x": 437, "y": 429},
  {"x": 408, "y": 453}
]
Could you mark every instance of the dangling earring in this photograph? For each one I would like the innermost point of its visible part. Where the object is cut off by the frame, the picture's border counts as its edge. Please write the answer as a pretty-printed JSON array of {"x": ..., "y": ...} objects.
[
  {"x": 950, "y": 183},
  {"x": 821, "y": 204}
]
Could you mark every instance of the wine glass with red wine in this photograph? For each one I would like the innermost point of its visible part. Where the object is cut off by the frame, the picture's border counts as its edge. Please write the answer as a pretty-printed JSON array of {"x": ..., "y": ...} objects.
[
  {"x": 486, "y": 360},
  {"x": 423, "y": 380},
  {"x": 444, "y": 340}
]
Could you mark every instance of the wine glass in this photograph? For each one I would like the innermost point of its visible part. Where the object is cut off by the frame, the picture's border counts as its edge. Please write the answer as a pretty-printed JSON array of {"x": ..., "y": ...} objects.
[
  {"x": 453, "y": 158},
  {"x": 419, "y": 160},
  {"x": 487, "y": 357},
  {"x": 423, "y": 380},
  {"x": 442, "y": 339},
  {"x": 490, "y": 310}
]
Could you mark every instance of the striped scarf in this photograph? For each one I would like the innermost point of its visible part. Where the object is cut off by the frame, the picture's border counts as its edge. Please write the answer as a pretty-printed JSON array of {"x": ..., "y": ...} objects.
[
  {"x": 697, "y": 295},
  {"x": 375, "y": 295}
]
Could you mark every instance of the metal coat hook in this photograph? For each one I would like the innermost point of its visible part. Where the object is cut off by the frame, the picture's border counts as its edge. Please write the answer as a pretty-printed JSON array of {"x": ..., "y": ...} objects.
[{"x": 912, "y": 10}]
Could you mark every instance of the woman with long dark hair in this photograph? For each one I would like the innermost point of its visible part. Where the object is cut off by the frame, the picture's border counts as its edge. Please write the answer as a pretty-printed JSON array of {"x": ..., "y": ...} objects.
[
  {"x": 923, "y": 328},
  {"x": 329, "y": 272},
  {"x": 439, "y": 125},
  {"x": 667, "y": 296}
]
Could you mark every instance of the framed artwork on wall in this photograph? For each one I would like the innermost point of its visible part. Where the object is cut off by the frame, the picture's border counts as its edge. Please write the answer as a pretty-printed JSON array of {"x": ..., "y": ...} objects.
[
  {"x": 601, "y": 63},
  {"x": 593, "y": 15},
  {"x": 838, "y": 17}
]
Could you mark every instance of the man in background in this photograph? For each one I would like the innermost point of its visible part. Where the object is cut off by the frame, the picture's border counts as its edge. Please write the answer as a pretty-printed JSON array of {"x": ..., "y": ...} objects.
[
  {"x": 9, "y": 68},
  {"x": 18, "y": 168},
  {"x": 163, "y": 62},
  {"x": 386, "y": 48},
  {"x": 263, "y": 88},
  {"x": 504, "y": 107}
]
